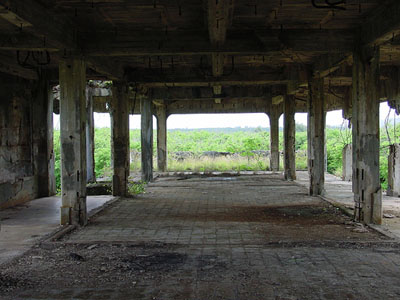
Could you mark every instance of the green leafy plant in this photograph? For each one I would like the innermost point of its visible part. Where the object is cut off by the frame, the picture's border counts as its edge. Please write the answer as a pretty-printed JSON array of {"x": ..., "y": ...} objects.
[{"x": 136, "y": 188}]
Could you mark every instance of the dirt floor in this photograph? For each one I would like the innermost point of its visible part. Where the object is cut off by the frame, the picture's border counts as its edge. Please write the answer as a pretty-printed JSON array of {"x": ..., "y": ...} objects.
[{"x": 242, "y": 237}]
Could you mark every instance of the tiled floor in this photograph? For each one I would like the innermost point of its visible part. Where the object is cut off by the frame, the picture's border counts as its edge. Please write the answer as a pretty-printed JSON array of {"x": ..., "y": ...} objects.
[
  {"x": 241, "y": 210},
  {"x": 239, "y": 237}
]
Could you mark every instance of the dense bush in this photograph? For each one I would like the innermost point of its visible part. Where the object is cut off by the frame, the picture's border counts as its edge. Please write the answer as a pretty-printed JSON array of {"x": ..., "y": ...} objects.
[{"x": 234, "y": 141}]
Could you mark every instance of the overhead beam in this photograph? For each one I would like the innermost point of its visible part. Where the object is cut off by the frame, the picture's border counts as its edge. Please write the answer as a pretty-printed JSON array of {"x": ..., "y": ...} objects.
[
  {"x": 39, "y": 20},
  {"x": 191, "y": 93},
  {"x": 219, "y": 18},
  {"x": 382, "y": 26},
  {"x": 194, "y": 78},
  {"x": 24, "y": 42},
  {"x": 237, "y": 42}
]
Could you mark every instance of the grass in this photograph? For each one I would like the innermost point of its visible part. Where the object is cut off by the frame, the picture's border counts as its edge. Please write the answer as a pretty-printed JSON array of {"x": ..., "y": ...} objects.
[{"x": 222, "y": 164}]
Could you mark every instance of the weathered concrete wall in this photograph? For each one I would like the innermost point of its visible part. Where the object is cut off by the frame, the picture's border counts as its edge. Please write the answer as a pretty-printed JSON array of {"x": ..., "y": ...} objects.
[
  {"x": 347, "y": 162},
  {"x": 394, "y": 171},
  {"x": 18, "y": 182}
]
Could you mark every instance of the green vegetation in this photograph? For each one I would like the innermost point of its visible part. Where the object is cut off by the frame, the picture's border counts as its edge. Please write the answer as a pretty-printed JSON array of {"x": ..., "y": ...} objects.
[
  {"x": 135, "y": 188},
  {"x": 228, "y": 140}
]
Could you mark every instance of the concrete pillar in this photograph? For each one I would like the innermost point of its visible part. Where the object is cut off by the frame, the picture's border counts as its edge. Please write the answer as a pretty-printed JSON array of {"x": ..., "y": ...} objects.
[
  {"x": 274, "y": 138},
  {"x": 347, "y": 162},
  {"x": 147, "y": 139},
  {"x": 394, "y": 171},
  {"x": 42, "y": 138},
  {"x": 73, "y": 141},
  {"x": 162, "y": 138},
  {"x": 365, "y": 120},
  {"x": 289, "y": 128},
  {"x": 91, "y": 176},
  {"x": 120, "y": 138},
  {"x": 316, "y": 135}
]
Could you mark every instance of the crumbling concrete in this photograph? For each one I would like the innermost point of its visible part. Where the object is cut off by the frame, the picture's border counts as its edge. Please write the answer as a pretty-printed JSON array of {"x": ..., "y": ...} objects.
[
  {"x": 366, "y": 181},
  {"x": 26, "y": 142},
  {"x": 289, "y": 139},
  {"x": 162, "y": 152},
  {"x": 274, "y": 138},
  {"x": 147, "y": 140},
  {"x": 347, "y": 161},
  {"x": 91, "y": 176},
  {"x": 316, "y": 135},
  {"x": 394, "y": 171},
  {"x": 120, "y": 138},
  {"x": 73, "y": 140}
]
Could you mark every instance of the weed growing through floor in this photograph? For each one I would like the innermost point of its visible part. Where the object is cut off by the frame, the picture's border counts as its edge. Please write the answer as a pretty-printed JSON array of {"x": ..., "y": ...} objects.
[{"x": 136, "y": 188}]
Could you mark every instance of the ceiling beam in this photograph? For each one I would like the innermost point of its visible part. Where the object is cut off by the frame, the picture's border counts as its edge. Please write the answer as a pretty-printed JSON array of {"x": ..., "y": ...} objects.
[
  {"x": 194, "y": 77},
  {"x": 383, "y": 25},
  {"x": 24, "y": 42},
  {"x": 185, "y": 93},
  {"x": 238, "y": 42},
  {"x": 219, "y": 19},
  {"x": 38, "y": 20}
]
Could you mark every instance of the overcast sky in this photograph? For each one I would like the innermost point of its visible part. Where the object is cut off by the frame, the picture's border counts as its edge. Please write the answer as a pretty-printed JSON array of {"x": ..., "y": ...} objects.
[{"x": 333, "y": 118}]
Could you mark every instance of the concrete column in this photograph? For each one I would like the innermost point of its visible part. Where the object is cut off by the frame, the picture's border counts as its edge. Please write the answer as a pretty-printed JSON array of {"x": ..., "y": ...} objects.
[
  {"x": 316, "y": 135},
  {"x": 147, "y": 139},
  {"x": 42, "y": 138},
  {"x": 274, "y": 138},
  {"x": 347, "y": 161},
  {"x": 289, "y": 128},
  {"x": 73, "y": 141},
  {"x": 394, "y": 171},
  {"x": 120, "y": 138},
  {"x": 365, "y": 120},
  {"x": 162, "y": 138},
  {"x": 91, "y": 176}
]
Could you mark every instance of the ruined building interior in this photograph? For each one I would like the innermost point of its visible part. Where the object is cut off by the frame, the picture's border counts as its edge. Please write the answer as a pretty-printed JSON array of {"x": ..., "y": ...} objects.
[{"x": 277, "y": 57}]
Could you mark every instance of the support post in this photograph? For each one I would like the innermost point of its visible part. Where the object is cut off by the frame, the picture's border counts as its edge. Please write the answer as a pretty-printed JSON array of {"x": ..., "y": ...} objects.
[
  {"x": 365, "y": 119},
  {"x": 274, "y": 115},
  {"x": 120, "y": 138},
  {"x": 73, "y": 141},
  {"x": 147, "y": 139},
  {"x": 394, "y": 171},
  {"x": 347, "y": 162},
  {"x": 42, "y": 129},
  {"x": 162, "y": 138},
  {"x": 316, "y": 135},
  {"x": 91, "y": 176},
  {"x": 289, "y": 138}
]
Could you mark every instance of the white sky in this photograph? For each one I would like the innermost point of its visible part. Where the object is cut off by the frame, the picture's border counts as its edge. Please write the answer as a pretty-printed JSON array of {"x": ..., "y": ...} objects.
[{"x": 333, "y": 118}]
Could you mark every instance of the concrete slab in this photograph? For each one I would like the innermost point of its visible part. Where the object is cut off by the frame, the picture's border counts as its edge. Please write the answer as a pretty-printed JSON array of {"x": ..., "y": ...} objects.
[
  {"x": 243, "y": 237},
  {"x": 24, "y": 225},
  {"x": 339, "y": 191}
]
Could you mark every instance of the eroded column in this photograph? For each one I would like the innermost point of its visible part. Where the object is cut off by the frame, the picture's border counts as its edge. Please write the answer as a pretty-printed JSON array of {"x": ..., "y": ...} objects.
[
  {"x": 147, "y": 139},
  {"x": 73, "y": 140},
  {"x": 162, "y": 138},
  {"x": 365, "y": 120},
  {"x": 42, "y": 130},
  {"x": 347, "y": 162},
  {"x": 91, "y": 177},
  {"x": 316, "y": 135},
  {"x": 289, "y": 128},
  {"x": 120, "y": 138},
  {"x": 274, "y": 115}
]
